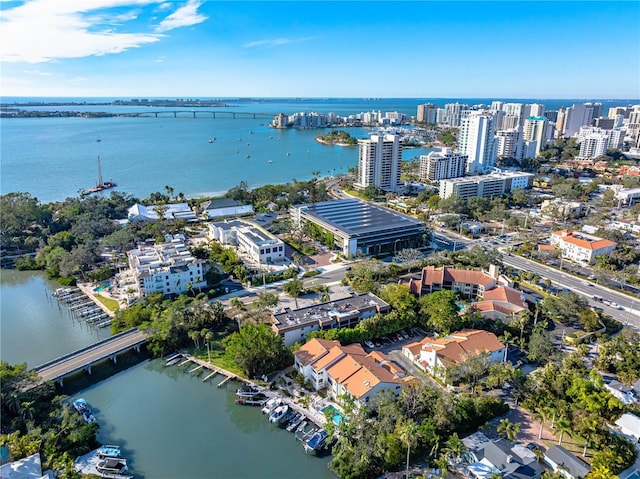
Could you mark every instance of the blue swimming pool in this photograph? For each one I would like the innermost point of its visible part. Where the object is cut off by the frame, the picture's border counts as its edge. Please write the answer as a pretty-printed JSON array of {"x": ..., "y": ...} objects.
[
  {"x": 337, "y": 415},
  {"x": 102, "y": 286}
]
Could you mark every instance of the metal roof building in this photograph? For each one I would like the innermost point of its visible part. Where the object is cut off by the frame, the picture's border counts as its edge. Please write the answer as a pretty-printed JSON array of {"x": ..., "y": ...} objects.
[{"x": 363, "y": 228}]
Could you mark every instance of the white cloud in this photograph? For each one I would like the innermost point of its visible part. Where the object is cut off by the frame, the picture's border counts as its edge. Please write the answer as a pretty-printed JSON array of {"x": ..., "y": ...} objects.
[
  {"x": 38, "y": 31},
  {"x": 275, "y": 41},
  {"x": 184, "y": 16},
  {"x": 79, "y": 79},
  {"x": 37, "y": 72},
  {"x": 160, "y": 59}
]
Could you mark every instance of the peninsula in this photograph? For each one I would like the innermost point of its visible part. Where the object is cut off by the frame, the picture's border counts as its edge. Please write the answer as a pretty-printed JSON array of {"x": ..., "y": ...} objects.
[{"x": 337, "y": 137}]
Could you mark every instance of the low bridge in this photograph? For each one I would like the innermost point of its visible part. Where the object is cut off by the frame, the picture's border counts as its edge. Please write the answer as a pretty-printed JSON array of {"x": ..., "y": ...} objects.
[
  {"x": 83, "y": 359},
  {"x": 200, "y": 113}
]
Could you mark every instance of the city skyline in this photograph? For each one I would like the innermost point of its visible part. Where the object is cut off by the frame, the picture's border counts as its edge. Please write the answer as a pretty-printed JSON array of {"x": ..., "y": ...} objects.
[{"x": 113, "y": 48}]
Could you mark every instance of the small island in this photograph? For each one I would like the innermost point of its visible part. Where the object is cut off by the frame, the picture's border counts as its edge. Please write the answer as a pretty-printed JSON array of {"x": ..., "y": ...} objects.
[{"x": 337, "y": 137}]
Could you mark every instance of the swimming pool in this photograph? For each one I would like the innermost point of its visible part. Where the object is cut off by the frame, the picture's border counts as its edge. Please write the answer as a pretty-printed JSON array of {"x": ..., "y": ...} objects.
[
  {"x": 337, "y": 415},
  {"x": 102, "y": 286}
]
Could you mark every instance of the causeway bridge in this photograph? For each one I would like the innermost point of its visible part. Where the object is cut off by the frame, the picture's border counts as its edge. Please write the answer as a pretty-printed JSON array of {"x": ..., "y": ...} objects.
[
  {"x": 200, "y": 113},
  {"x": 84, "y": 358}
]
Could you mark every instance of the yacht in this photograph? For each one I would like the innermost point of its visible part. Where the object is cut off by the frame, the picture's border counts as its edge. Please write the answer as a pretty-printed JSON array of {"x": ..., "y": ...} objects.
[
  {"x": 278, "y": 414},
  {"x": 317, "y": 441}
]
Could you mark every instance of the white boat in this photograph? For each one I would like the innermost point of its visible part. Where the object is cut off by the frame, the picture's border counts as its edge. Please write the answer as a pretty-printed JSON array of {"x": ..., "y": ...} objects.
[
  {"x": 247, "y": 391},
  {"x": 278, "y": 414},
  {"x": 270, "y": 405},
  {"x": 317, "y": 441},
  {"x": 108, "y": 450},
  {"x": 173, "y": 361},
  {"x": 295, "y": 422},
  {"x": 112, "y": 465}
]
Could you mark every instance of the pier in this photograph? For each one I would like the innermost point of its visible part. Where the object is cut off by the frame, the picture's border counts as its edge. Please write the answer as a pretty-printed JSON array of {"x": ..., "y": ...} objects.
[{"x": 84, "y": 358}]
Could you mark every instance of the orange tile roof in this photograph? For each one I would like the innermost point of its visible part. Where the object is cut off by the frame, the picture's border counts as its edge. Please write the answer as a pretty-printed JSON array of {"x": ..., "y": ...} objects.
[
  {"x": 488, "y": 306},
  {"x": 432, "y": 275},
  {"x": 314, "y": 349},
  {"x": 568, "y": 236},
  {"x": 546, "y": 247},
  {"x": 506, "y": 295},
  {"x": 461, "y": 345}
]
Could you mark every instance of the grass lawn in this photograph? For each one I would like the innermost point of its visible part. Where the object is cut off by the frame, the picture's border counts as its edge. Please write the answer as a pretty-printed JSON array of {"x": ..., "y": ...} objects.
[{"x": 111, "y": 304}]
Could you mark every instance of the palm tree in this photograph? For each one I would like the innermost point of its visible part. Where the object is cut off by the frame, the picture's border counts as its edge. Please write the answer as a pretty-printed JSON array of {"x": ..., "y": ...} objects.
[
  {"x": 12, "y": 403},
  {"x": 454, "y": 447},
  {"x": 537, "y": 415},
  {"x": 409, "y": 433},
  {"x": 442, "y": 463},
  {"x": 294, "y": 288},
  {"x": 27, "y": 409},
  {"x": 508, "y": 429},
  {"x": 506, "y": 339},
  {"x": 564, "y": 425}
]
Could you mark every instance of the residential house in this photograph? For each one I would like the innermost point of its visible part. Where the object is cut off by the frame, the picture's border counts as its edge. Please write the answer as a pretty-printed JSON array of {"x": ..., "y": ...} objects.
[
  {"x": 502, "y": 303},
  {"x": 581, "y": 247},
  {"x": 625, "y": 394},
  {"x": 440, "y": 356},
  {"x": 629, "y": 425},
  {"x": 347, "y": 370},
  {"x": 172, "y": 211},
  {"x": 294, "y": 325},
  {"x": 566, "y": 463},
  {"x": 485, "y": 457},
  {"x": 224, "y": 208}
]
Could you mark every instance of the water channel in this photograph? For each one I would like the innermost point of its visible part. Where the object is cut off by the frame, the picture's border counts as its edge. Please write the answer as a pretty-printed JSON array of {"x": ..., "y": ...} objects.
[{"x": 169, "y": 423}]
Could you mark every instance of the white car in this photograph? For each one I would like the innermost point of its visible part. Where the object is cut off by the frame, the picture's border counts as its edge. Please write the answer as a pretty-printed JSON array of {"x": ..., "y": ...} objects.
[{"x": 369, "y": 344}]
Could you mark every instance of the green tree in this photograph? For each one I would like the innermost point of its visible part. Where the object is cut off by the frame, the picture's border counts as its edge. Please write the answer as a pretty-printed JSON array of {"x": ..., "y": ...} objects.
[
  {"x": 256, "y": 350},
  {"x": 409, "y": 434},
  {"x": 441, "y": 311},
  {"x": 294, "y": 288}
]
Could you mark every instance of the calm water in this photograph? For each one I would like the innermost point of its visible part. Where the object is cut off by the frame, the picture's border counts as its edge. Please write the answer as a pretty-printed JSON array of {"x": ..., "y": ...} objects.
[
  {"x": 170, "y": 424},
  {"x": 53, "y": 158},
  {"x": 34, "y": 328}
]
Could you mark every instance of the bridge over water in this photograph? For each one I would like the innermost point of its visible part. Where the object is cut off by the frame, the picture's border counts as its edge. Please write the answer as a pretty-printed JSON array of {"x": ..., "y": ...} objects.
[
  {"x": 84, "y": 358},
  {"x": 199, "y": 113}
]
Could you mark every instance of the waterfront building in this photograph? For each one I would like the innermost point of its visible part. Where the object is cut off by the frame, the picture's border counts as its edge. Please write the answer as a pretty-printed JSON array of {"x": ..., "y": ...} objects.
[
  {"x": 576, "y": 117},
  {"x": 280, "y": 121},
  {"x": 509, "y": 144},
  {"x": 476, "y": 140},
  {"x": 347, "y": 370},
  {"x": 427, "y": 113},
  {"x": 167, "y": 268},
  {"x": 618, "y": 110},
  {"x": 514, "y": 110},
  {"x": 442, "y": 357},
  {"x": 441, "y": 165},
  {"x": 172, "y": 211},
  {"x": 293, "y": 326},
  {"x": 496, "y": 105},
  {"x": 487, "y": 186},
  {"x": 260, "y": 245},
  {"x": 535, "y": 129},
  {"x": 581, "y": 247},
  {"x": 535, "y": 109},
  {"x": 379, "y": 162},
  {"x": 361, "y": 228},
  {"x": 224, "y": 208}
]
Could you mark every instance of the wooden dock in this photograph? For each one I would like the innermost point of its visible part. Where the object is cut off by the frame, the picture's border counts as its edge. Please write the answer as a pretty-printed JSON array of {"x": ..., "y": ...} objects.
[{"x": 209, "y": 376}]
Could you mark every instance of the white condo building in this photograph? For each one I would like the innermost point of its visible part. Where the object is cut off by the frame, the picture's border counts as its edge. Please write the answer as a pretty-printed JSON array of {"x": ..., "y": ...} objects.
[
  {"x": 261, "y": 246},
  {"x": 441, "y": 165},
  {"x": 476, "y": 140},
  {"x": 596, "y": 141},
  {"x": 577, "y": 116},
  {"x": 535, "y": 129},
  {"x": 509, "y": 144},
  {"x": 379, "y": 162},
  {"x": 486, "y": 186},
  {"x": 167, "y": 268}
]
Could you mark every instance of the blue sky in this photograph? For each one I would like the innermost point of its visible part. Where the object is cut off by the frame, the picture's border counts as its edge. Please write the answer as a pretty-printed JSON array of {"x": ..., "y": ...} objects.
[{"x": 194, "y": 48}]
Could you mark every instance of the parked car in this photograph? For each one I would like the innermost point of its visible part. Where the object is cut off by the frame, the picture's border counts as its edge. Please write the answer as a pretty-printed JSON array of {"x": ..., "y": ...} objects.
[{"x": 369, "y": 344}]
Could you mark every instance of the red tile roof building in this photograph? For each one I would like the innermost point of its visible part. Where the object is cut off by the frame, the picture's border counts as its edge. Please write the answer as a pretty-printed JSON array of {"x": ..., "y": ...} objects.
[
  {"x": 437, "y": 356},
  {"x": 347, "y": 369},
  {"x": 581, "y": 247}
]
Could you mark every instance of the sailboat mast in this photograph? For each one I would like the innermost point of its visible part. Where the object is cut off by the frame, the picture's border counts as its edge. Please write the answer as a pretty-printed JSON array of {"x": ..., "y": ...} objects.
[{"x": 99, "y": 173}]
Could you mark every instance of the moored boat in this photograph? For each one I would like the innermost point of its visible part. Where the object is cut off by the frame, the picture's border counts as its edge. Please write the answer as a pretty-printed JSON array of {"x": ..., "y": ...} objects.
[
  {"x": 295, "y": 422},
  {"x": 81, "y": 405},
  {"x": 247, "y": 391},
  {"x": 278, "y": 414},
  {"x": 258, "y": 400},
  {"x": 108, "y": 450},
  {"x": 173, "y": 361},
  {"x": 270, "y": 405},
  {"x": 317, "y": 441},
  {"x": 112, "y": 465}
]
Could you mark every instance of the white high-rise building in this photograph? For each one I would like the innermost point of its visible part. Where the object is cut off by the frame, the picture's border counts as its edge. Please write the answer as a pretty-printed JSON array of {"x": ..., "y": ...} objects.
[
  {"x": 535, "y": 129},
  {"x": 441, "y": 165},
  {"x": 596, "y": 141},
  {"x": 536, "y": 109},
  {"x": 452, "y": 112},
  {"x": 514, "y": 110},
  {"x": 576, "y": 117},
  {"x": 379, "y": 162},
  {"x": 477, "y": 142},
  {"x": 509, "y": 144}
]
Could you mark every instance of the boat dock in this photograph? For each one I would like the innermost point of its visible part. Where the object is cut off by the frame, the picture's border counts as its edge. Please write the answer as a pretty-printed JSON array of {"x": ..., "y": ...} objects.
[
  {"x": 87, "y": 465},
  {"x": 200, "y": 364},
  {"x": 84, "y": 306}
]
